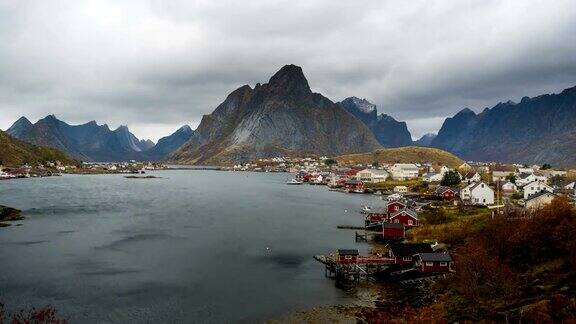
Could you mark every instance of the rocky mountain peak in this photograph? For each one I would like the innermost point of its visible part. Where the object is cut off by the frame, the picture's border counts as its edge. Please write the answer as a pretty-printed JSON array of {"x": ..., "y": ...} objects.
[{"x": 289, "y": 79}]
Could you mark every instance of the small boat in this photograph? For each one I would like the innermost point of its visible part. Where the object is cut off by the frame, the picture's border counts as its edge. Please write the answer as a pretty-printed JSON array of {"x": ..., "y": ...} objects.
[
  {"x": 365, "y": 209},
  {"x": 294, "y": 182}
]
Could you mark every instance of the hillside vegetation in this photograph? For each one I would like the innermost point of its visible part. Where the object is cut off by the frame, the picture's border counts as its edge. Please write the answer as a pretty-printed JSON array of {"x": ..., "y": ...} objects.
[
  {"x": 402, "y": 155},
  {"x": 14, "y": 152}
]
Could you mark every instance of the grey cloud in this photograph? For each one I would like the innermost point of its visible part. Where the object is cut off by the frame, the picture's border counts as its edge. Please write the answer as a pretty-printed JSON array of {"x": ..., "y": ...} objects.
[{"x": 156, "y": 65}]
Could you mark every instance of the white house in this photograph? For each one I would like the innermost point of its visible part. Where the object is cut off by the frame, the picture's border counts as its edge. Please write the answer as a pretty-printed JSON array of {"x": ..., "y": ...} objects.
[
  {"x": 526, "y": 178},
  {"x": 500, "y": 175},
  {"x": 570, "y": 186},
  {"x": 509, "y": 187},
  {"x": 526, "y": 170},
  {"x": 536, "y": 187},
  {"x": 400, "y": 189},
  {"x": 432, "y": 177},
  {"x": 372, "y": 175},
  {"x": 404, "y": 171},
  {"x": 539, "y": 200},
  {"x": 472, "y": 178},
  {"x": 478, "y": 193}
]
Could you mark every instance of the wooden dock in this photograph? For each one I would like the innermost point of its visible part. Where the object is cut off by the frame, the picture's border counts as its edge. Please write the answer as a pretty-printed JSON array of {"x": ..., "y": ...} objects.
[{"x": 364, "y": 268}]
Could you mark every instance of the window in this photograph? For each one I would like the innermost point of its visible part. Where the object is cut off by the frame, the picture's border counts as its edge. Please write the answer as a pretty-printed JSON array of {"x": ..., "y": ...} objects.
[
  {"x": 429, "y": 264},
  {"x": 407, "y": 258},
  {"x": 396, "y": 220},
  {"x": 410, "y": 222},
  {"x": 443, "y": 264},
  {"x": 348, "y": 257}
]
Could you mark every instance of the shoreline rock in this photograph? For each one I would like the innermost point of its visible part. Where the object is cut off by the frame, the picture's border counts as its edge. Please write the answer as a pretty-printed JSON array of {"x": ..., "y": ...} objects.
[{"x": 8, "y": 214}]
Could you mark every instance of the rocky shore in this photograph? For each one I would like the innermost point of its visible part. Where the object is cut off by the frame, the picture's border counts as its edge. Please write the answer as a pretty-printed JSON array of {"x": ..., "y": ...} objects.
[{"x": 9, "y": 214}]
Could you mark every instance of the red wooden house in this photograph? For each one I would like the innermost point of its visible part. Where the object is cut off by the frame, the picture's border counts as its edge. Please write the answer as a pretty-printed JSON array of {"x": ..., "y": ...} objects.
[
  {"x": 433, "y": 262},
  {"x": 406, "y": 216},
  {"x": 395, "y": 206},
  {"x": 376, "y": 217},
  {"x": 445, "y": 193},
  {"x": 347, "y": 256},
  {"x": 392, "y": 231},
  {"x": 403, "y": 253},
  {"x": 354, "y": 185},
  {"x": 351, "y": 173}
]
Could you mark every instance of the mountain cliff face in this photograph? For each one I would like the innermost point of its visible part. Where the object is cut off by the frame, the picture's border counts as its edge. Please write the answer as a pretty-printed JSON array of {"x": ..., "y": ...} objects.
[
  {"x": 20, "y": 127},
  {"x": 279, "y": 117},
  {"x": 388, "y": 131},
  {"x": 14, "y": 152},
  {"x": 535, "y": 130},
  {"x": 425, "y": 140},
  {"x": 88, "y": 142}
]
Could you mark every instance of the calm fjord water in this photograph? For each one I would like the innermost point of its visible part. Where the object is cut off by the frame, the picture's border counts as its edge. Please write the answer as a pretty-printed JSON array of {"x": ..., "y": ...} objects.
[{"x": 194, "y": 246}]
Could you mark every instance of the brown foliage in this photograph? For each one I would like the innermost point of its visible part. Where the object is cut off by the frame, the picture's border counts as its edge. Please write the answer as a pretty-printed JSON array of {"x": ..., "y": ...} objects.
[{"x": 45, "y": 315}]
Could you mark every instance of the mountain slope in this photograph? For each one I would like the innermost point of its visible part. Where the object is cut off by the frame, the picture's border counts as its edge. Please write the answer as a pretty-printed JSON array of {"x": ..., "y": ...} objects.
[
  {"x": 169, "y": 144},
  {"x": 388, "y": 131},
  {"x": 535, "y": 130},
  {"x": 15, "y": 152},
  {"x": 89, "y": 142},
  {"x": 425, "y": 140},
  {"x": 409, "y": 154},
  {"x": 20, "y": 127},
  {"x": 276, "y": 118}
]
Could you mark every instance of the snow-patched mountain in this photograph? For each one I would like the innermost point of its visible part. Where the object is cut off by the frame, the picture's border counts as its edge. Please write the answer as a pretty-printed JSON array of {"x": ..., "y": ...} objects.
[
  {"x": 280, "y": 117},
  {"x": 388, "y": 131}
]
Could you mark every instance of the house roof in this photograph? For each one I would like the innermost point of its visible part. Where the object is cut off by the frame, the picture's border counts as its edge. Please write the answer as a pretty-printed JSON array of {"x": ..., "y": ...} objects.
[
  {"x": 348, "y": 252},
  {"x": 539, "y": 194},
  {"x": 393, "y": 225},
  {"x": 408, "y": 211},
  {"x": 406, "y": 166},
  {"x": 401, "y": 249},
  {"x": 475, "y": 185},
  {"x": 443, "y": 189},
  {"x": 435, "y": 257}
]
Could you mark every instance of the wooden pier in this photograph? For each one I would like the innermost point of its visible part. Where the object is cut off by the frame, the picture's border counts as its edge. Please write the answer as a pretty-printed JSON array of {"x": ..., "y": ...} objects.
[{"x": 363, "y": 268}]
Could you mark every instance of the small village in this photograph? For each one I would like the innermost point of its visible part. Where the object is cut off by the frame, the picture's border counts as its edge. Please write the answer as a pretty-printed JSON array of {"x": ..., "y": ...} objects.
[
  {"x": 409, "y": 190},
  {"x": 56, "y": 168}
]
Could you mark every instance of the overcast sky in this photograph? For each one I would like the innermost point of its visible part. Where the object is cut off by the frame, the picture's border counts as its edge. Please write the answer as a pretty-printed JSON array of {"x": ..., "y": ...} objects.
[{"x": 157, "y": 65}]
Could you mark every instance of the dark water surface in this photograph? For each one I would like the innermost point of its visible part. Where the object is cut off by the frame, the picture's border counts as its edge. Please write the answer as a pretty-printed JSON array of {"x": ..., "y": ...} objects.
[{"x": 195, "y": 246}]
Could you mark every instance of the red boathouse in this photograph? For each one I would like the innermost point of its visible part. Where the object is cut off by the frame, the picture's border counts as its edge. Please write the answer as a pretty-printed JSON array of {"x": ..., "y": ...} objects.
[
  {"x": 392, "y": 231},
  {"x": 433, "y": 262}
]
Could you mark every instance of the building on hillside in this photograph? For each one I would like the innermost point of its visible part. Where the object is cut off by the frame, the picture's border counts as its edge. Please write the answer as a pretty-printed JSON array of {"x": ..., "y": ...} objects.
[
  {"x": 501, "y": 175},
  {"x": 406, "y": 216},
  {"x": 400, "y": 189},
  {"x": 535, "y": 187},
  {"x": 445, "y": 193},
  {"x": 478, "y": 193},
  {"x": 432, "y": 177},
  {"x": 404, "y": 171},
  {"x": 403, "y": 253},
  {"x": 472, "y": 177},
  {"x": 509, "y": 188},
  {"x": 464, "y": 168},
  {"x": 539, "y": 200},
  {"x": 354, "y": 185},
  {"x": 372, "y": 175},
  {"x": 525, "y": 178},
  {"x": 527, "y": 170},
  {"x": 433, "y": 262},
  {"x": 393, "y": 231},
  {"x": 348, "y": 256}
]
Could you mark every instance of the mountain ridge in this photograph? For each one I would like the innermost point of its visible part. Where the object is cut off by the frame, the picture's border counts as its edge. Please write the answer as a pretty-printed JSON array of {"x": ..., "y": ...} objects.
[
  {"x": 388, "y": 131},
  {"x": 534, "y": 130},
  {"x": 277, "y": 117}
]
